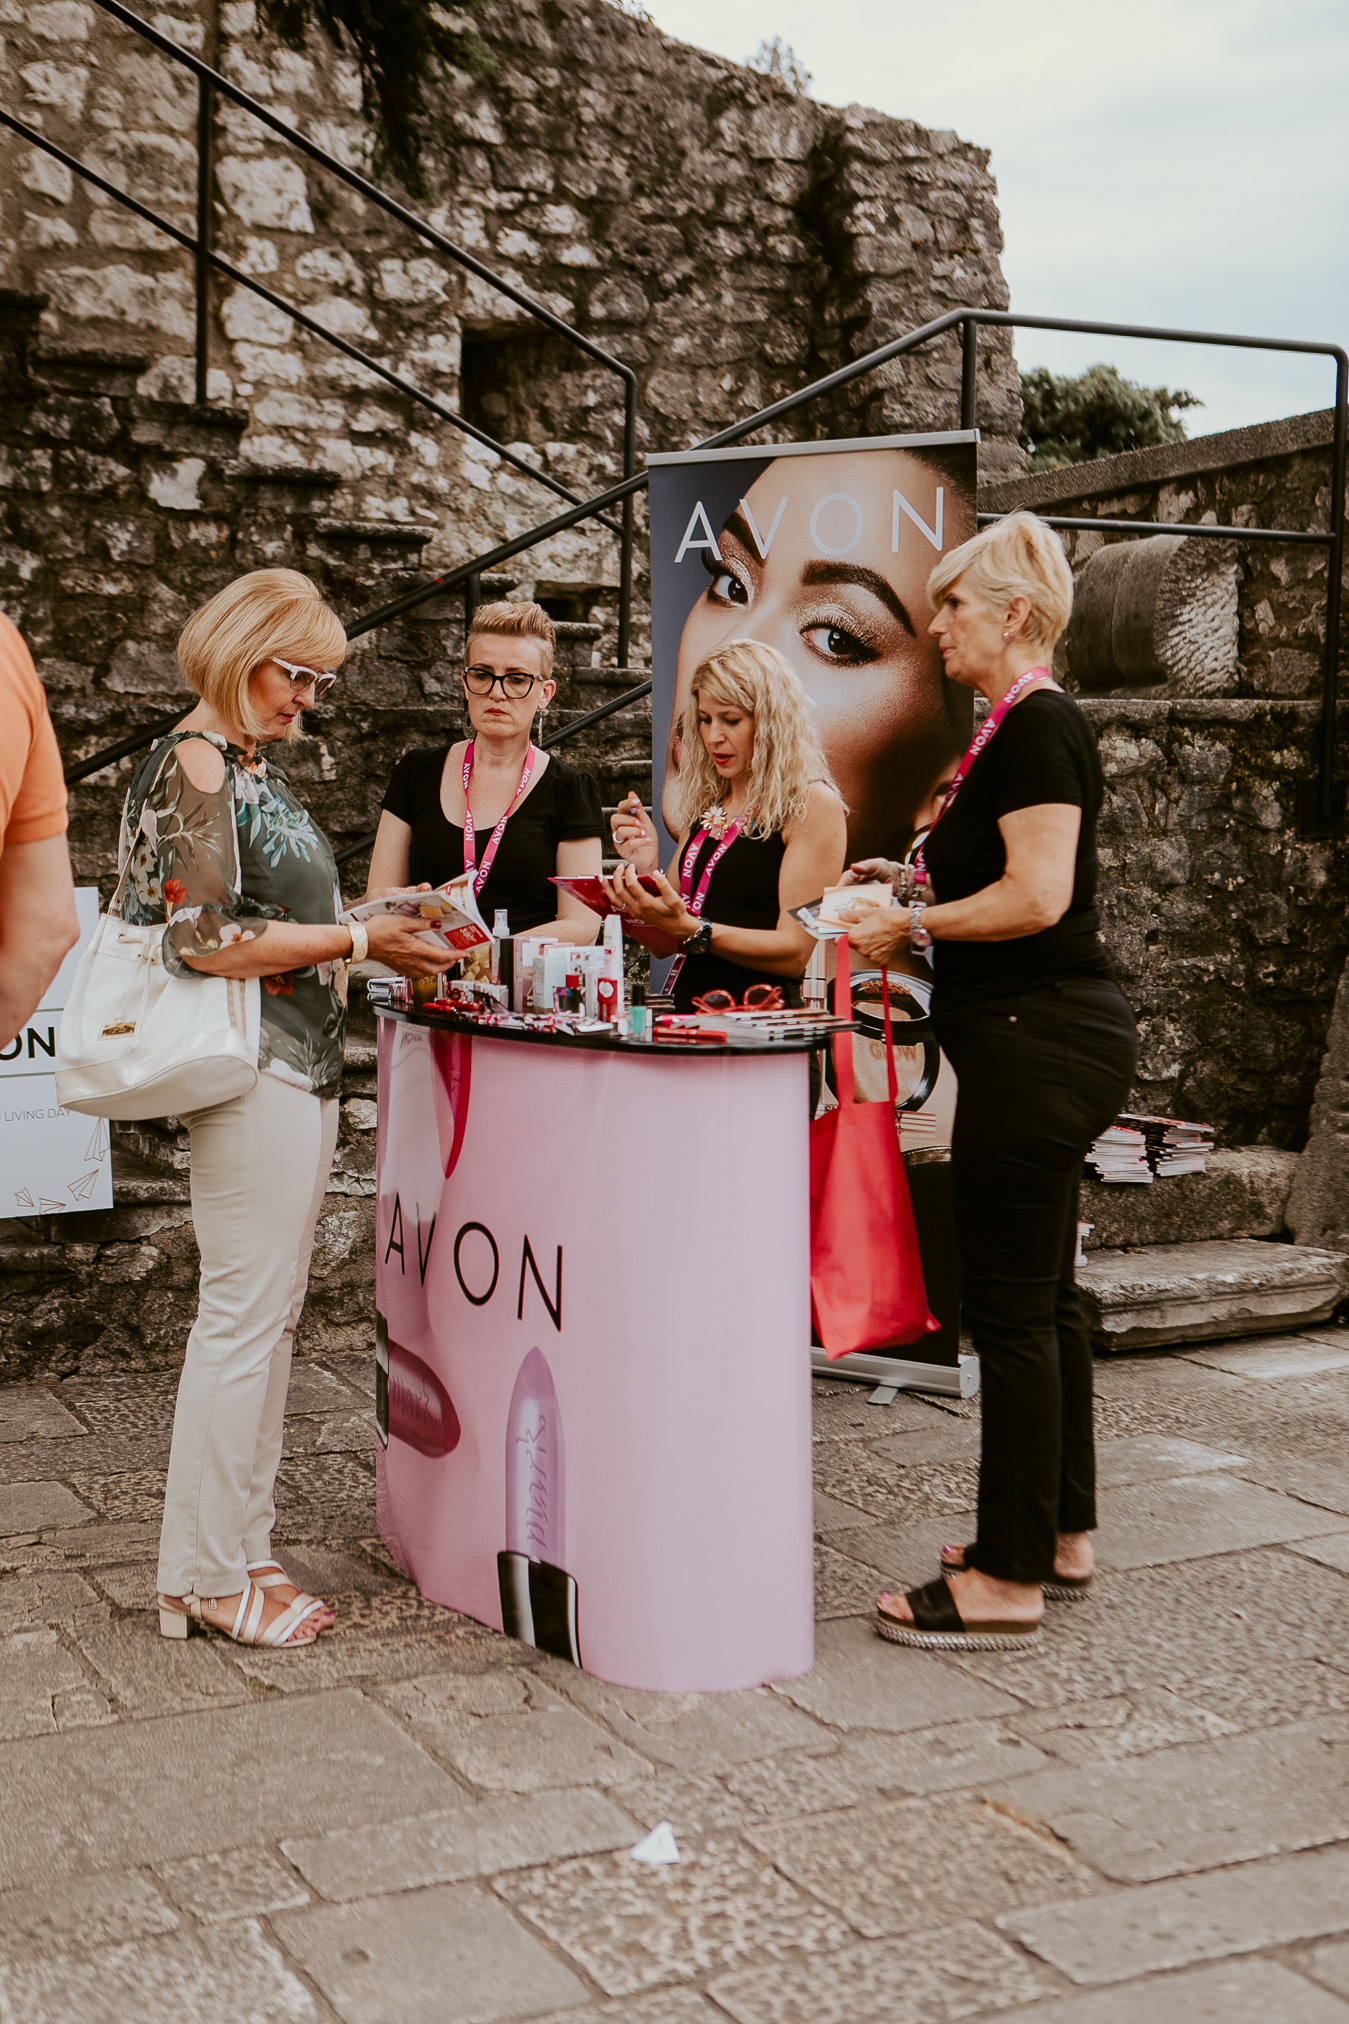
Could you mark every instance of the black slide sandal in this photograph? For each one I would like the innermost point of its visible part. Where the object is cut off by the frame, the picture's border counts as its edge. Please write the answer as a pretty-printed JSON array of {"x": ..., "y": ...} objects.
[{"x": 939, "y": 1627}]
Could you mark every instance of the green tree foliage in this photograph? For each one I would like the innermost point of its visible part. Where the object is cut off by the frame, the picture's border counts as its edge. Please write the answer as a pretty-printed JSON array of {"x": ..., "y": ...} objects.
[
  {"x": 778, "y": 60},
  {"x": 397, "y": 45},
  {"x": 1070, "y": 421}
]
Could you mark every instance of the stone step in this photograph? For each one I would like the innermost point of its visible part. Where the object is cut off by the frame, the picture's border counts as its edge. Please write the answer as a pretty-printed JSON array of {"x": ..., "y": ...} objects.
[
  {"x": 1165, "y": 1293},
  {"x": 1243, "y": 1194}
]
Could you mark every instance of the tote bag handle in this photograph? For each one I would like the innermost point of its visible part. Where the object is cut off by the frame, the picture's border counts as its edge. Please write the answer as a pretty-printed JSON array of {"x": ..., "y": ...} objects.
[{"x": 843, "y": 1042}]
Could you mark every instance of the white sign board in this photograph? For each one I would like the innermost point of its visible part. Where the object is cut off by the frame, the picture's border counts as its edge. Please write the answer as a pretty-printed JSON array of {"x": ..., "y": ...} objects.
[{"x": 51, "y": 1160}]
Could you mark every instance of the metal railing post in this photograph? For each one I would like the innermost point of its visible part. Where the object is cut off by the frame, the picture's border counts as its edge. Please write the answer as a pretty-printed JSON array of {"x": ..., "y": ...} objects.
[
  {"x": 969, "y": 366},
  {"x": 472, "y": 599},
  {"x": 1329, "y": 793},
  {"x": 205, "y": 211},
  {"x": 628, "y": 515}
]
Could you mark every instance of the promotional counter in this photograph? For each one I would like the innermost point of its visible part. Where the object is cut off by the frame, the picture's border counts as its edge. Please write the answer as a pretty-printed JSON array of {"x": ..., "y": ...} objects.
[{"x": 594, "y": 1345}]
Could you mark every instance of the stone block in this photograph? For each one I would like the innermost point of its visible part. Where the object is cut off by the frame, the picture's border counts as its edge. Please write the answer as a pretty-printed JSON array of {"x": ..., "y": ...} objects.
[
  {"x": 1246, "y": 1992},
  {"x": 1201, "y": 1292},
  {"x": 38, "y": 1507},
  {"x": 861, "y": 1682},
  {"x": 900, "y": 1866},
  {"x": 1291, "y": 1356},
  {"x": 82, "y": 1915},
  {"x": 469, "y": 1840},
  {"x": 1199, "y": 1806},
  {"x": 946, "y": 1759},
  {"x": 1200, "y": 1918},
  {"x": 29, "y": 1412},
  {"x": 631, "y": 1926},
  {"x": 213, "y": 1978},
  {"x": 509, "y": 1733},
  {"x": 971, "y": 1972},
  {"x": 42, "y": 1687},
  {"x": 188, "y": 1785},
  {"x": 704, "y": 1732},
  {"x": 243, "y": 1883},
  {"x": 1147, "y": 1458},
  {"x": 1188, "y": 1517},
  {"x": 445, "y": 1956},
  {"x": 1243, "y": 1194}
]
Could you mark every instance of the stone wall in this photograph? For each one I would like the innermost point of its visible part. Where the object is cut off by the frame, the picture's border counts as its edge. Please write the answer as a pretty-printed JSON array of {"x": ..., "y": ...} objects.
[
  {"x": 727, "y": 240},
  {"x": 1227, "y": 925}
]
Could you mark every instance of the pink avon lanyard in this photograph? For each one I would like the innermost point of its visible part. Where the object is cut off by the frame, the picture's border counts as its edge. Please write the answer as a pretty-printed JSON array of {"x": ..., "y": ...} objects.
[
  {"x": 470, "y": 834},
  {"x": 695, "y": 901},
  {"x": 982, "y": 737}
]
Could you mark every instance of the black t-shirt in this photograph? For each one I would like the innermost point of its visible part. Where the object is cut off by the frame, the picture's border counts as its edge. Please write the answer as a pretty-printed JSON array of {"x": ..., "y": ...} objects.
[
  {"x": 1042, "y": 751},
  {"x": 743, "y": 893},
  {"x": 560, "y": 807}
]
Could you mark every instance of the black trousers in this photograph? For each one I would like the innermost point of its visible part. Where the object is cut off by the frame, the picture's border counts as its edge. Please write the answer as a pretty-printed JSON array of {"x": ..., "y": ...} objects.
[{"x": 1039, "y": 1076}]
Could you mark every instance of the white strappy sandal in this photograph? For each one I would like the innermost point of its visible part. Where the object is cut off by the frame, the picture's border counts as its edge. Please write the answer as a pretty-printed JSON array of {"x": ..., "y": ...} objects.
[
  {"x": 271, "y": 1574},
  {"x": 248, "y": 1627}
]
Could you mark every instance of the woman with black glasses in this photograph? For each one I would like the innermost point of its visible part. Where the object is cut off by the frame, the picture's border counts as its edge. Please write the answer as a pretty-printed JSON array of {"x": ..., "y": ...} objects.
[{"x": 494, "y": 803}]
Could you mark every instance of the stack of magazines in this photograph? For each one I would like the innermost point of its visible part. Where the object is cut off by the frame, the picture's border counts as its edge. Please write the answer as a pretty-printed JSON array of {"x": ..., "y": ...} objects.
[
  {"x": 1173, "y": 1146},
  {"x": 1120, "y": 1154}
]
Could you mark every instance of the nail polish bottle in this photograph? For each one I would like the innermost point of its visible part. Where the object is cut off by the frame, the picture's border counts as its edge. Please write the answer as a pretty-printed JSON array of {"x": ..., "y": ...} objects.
[{"x": 637, "y": 1018}]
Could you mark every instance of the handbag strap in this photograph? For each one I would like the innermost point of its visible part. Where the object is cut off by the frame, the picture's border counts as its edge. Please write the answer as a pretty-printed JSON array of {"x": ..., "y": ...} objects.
[
  {"x": 171, "y": 745},
  {"x": 843, "y": 1042}
]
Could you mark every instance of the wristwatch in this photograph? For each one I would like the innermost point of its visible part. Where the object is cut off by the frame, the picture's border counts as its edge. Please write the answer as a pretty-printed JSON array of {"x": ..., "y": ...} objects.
[{"x": 699, "y": 943}]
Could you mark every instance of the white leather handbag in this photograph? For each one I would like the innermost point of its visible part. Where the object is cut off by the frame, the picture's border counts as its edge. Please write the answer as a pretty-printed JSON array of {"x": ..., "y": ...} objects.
[{"x": 136, "y": 1041}]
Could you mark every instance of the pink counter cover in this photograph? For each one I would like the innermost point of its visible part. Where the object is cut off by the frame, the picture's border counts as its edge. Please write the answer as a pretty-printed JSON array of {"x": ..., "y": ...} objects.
[{"x": 677, "y": 1194}]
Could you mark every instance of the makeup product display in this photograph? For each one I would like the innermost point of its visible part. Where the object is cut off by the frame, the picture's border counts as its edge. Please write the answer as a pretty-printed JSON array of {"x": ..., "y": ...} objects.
[{"x": 547, "y": 1462}]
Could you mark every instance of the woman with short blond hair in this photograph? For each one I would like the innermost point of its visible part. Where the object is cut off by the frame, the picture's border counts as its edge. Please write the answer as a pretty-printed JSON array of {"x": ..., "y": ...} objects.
[
  {"x": 762, "y": 830},
  {"x": 224, "y": 855},
  {"x": 1043, "y": 1044}
]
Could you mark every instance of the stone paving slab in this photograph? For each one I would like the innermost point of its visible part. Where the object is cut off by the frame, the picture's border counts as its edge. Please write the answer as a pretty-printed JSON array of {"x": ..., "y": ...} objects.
[
  {"x": 1248, "y": 1992},
  {"x": 480, "y": 1839},
  {"x": 704, "y": 1732},
  {"x": 1242, "y": 1910},
  {"x": 510, "y": 1732},
  {"x": 860, "y": 1681},
  {"x": 898, "y": 1867},
  {"x": 951, "y": 1758},
  {"x": 631, "y": 1926},
  {"x": 1152, "y": 1458},
  {"x": 890, "y": 1982},
  {"x": 1200, "y": 1805},
  {"x": 35, "y": 1507},
  {"x": 211, "y": 1978},
  {"x": 81, "y": 1914},
  {"x": 1151, "y": 1523},
  {"x": 241, "y": 1883},
  {"x": 1332, "y": 1552},
  {"x": 190, "y": 1785},
  {"x": 32, "y": 1412},
  {"x": 445, "y": 1956},
  {"x": 1289, "y": 1356}
]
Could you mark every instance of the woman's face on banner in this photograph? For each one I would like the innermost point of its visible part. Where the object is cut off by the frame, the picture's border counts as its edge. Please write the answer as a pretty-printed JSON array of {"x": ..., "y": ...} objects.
[{"x": 852, "y": 623}]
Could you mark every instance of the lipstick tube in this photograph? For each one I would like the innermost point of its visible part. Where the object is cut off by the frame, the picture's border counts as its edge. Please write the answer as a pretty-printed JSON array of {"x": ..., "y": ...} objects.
[
  {"x": 411, "y": 1403},
  {"x": 538, "y": 1596}
]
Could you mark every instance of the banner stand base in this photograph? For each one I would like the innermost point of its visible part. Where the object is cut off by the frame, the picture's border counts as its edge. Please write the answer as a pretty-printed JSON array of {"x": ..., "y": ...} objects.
[{"x": 899, "y": 1374}]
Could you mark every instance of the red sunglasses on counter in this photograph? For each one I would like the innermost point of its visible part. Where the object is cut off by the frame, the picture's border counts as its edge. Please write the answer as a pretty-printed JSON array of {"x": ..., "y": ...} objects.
[{"x": 758, "y": 998}]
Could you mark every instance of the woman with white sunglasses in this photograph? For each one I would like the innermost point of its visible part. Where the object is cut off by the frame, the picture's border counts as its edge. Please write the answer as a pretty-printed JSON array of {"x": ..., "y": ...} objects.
[{"x": 224, "y": 854}]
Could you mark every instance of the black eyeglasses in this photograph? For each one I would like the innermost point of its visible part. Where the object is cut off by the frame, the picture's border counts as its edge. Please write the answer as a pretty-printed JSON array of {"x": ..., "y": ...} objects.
[
  {"x": 301, "y": 677},
  {"x": 481, "y": 682}
]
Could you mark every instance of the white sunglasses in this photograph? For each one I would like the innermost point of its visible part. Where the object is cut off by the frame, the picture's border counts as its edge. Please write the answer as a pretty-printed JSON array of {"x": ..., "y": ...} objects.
[{"x": 301, "y": 677}]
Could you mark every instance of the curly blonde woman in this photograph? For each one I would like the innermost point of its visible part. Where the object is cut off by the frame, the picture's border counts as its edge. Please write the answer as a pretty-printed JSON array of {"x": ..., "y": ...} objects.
[{"x": 762, "y": 830}]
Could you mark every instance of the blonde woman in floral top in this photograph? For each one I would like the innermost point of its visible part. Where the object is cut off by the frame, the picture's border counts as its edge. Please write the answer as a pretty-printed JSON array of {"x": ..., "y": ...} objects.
[{"x": 224, "y": 854}]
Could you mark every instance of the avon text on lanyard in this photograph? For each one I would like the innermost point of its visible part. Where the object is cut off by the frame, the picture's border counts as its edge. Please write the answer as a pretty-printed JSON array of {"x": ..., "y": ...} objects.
[
  {"x": 982, "y": 737},
  {"x": 470, "y": 835},
  {"x": 695, "y": 901}
]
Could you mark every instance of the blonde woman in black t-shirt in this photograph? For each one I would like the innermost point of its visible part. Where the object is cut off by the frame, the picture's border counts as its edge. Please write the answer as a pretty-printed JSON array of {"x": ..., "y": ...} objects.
[{"x": 1043, "y": 1044}]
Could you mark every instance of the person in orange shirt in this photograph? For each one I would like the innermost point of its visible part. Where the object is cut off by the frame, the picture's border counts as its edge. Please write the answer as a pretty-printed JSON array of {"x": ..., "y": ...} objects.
[{"x": 37, "y": 899}]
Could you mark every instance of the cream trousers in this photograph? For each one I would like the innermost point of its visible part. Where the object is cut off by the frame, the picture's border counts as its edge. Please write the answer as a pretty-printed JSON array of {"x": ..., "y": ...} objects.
[{"x": 260, "y": 1166}]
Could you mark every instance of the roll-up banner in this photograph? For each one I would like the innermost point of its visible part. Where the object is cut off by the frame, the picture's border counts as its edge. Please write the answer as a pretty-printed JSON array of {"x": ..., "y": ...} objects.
[{"x": 823, "y": 550}]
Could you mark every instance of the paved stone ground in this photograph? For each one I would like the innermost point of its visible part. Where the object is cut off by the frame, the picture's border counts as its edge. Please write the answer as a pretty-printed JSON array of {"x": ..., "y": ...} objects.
[{"x": 1146, "y": 1819}]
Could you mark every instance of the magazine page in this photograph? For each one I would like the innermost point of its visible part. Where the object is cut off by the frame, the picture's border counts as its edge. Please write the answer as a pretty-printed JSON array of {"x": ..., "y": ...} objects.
[{"x": 449, "y": 912}]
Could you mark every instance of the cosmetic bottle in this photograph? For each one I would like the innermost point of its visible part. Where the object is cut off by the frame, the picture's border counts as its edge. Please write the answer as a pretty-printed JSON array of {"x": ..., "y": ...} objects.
[
  {"x": 503, "y": 959},
  {"x": 538, "y": 1596},
  {"x": 637, "y": 1025},
  {"x": 612, "y": 959}
]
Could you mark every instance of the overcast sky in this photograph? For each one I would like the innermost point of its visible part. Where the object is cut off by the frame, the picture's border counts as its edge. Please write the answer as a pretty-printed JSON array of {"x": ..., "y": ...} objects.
[{"x": 1173, "y": 162}]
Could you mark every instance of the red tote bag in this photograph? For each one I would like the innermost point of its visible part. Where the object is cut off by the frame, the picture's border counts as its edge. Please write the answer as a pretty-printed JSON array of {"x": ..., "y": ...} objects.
[{"x": 866, "y": 1275}]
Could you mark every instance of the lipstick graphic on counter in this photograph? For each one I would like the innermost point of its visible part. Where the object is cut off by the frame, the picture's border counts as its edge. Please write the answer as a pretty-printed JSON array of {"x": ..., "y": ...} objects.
[
  {"x": 411, "y": 1404},
  {"x": 538, "y": 1598}
]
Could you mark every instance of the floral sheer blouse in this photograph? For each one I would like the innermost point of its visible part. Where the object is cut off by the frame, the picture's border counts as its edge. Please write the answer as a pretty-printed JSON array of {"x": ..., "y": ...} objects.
[{"x": 212, "y": 888}]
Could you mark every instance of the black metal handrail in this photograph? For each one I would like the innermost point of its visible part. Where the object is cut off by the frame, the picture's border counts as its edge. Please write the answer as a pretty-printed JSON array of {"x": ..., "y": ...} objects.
[
  {"x": 1324, "y": 809},
  {"x": 212, "y": 82}
]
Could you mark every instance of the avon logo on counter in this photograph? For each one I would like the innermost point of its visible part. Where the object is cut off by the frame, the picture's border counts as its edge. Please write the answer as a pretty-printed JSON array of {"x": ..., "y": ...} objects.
[{"x": 477, "y": 1261}]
